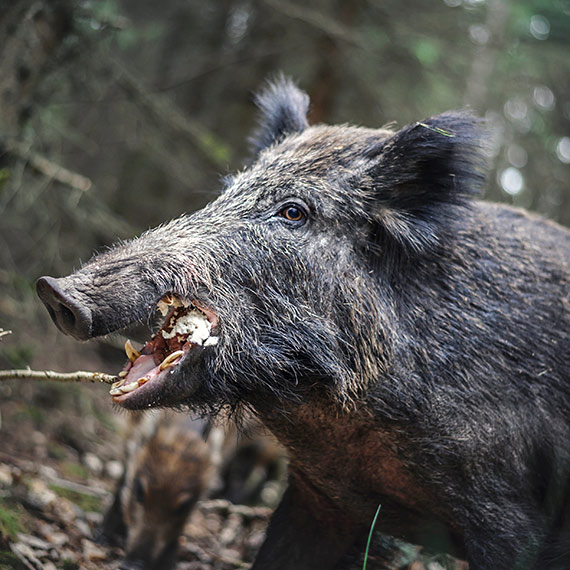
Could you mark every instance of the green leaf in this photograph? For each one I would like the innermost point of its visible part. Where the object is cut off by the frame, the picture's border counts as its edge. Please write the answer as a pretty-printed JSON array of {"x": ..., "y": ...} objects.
[{"x": 370, "y": 536}]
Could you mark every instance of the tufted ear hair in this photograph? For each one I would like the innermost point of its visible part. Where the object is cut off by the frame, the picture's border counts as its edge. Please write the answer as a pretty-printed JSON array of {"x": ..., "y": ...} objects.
[
  {"x": 283, "y": 110},
  {"x": 421, "y": 170}
]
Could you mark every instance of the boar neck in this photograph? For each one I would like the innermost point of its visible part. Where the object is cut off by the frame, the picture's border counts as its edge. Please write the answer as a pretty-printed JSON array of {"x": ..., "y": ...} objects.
[{"x": 352, "y": 446}]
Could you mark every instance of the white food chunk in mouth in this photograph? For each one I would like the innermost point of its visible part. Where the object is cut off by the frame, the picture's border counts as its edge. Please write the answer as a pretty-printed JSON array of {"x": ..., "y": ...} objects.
[
  {"x": 194, "y": 324},
  {"x": 165, "y": 304}
]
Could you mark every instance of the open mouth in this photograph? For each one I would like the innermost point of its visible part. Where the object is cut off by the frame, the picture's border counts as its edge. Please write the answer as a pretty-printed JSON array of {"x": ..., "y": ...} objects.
[{"x": 187, "y": 326}]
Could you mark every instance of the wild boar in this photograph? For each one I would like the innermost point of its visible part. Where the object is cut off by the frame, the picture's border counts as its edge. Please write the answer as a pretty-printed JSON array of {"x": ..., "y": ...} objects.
[{"x": 408, "y": 344}]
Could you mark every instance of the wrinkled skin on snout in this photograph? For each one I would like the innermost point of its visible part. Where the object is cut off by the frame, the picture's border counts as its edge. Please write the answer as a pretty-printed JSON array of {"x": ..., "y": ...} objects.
[{"x": 408, "y": 344}]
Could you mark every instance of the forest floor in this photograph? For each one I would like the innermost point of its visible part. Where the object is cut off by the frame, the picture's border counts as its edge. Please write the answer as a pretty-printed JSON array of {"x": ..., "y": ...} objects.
[{"x": 59, "y": 464}]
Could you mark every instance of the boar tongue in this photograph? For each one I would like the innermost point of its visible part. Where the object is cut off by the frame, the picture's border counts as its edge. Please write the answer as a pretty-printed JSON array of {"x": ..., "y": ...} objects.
[
  {"x": 141, "y": 375},
  {"x": 142, "y": 365}
]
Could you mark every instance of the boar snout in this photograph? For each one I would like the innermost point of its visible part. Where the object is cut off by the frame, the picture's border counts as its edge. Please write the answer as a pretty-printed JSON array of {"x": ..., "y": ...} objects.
[
  {"x": 67, "y": 313},
  {"x": 131, "y": 565},
  {"x": 128, "y": 565},
  {"x": 145, "y": 556}
]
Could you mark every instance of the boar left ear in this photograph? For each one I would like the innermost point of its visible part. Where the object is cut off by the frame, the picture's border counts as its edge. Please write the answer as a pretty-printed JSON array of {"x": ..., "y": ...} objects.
[
  {"x": 283, "y": 110},
  {"x": 421, "y": 170}
]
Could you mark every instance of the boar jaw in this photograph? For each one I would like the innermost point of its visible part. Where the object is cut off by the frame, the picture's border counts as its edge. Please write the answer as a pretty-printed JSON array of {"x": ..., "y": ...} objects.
[{"x": 188, "y": 328}]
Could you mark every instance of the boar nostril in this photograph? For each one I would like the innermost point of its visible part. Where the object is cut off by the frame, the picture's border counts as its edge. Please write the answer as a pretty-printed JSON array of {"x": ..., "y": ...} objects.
[
  {"x": 70, "y": 316},
  {"x": 66, "y": 315}
]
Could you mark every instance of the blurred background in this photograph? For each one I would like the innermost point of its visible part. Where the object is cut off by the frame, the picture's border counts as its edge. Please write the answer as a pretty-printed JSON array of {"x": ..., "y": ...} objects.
[
  {"x": 116, "y": 115},
  {"x": 120, "y": 114}
]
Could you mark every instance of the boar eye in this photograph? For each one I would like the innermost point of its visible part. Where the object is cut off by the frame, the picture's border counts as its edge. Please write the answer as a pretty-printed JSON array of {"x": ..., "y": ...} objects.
[
  {"x": 184, "y": 506},
  {"x": 138, "y": 490},
  {"x": 293, "y": 213}
]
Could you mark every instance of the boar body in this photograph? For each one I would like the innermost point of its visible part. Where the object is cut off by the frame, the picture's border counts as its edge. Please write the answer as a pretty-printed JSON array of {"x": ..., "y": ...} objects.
[{"x": 409, "y": 345}]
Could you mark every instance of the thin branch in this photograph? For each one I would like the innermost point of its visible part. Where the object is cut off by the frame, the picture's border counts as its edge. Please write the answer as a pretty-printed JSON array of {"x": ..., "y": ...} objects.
[
  {"x": 168, "y": 114},
  {"x": 79, "y": 376},
  {"x": 77, "y": 487},
  {"x": 47, "y": 167},
  {"x": 318, "y": 20},
  {"x": 226, "y": 507}
]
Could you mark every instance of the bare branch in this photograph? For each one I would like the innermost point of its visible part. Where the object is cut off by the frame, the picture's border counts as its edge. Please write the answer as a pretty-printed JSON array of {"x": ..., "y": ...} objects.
[
  {"x": 211, "y": 147},
  {"x": 76, "y": 487},
  {"x": 319, "y": 21},
  {"x": 226, "y": 507},
  {"x": 79, "y": 376},
  {"x": 47, "y": 167}
]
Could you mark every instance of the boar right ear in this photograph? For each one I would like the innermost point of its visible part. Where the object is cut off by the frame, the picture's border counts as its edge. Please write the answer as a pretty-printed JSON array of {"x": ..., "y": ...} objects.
[
  {"x": 420, "y": 171},
  {"x": 283, "y": 108}
]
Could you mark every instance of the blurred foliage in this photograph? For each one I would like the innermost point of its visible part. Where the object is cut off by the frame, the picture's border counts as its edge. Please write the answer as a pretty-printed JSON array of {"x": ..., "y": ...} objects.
[
  {"x": 9, "y": 561},
  {"x": 74, "y": 470},
  {"x": 32, "y": 414},
  {"x": 10, "y": 519},
  {"x": 152, "y": 103},
  {"x": 68, "y": 564},
  {"x": 83, "y": 501}
]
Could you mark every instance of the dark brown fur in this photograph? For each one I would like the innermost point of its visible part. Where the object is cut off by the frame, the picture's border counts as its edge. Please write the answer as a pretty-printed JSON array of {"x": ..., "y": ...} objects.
[{"x": 168, "y": 468}]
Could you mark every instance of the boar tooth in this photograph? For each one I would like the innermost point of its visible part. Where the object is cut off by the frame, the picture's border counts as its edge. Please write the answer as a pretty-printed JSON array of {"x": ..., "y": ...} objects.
[
  {"x": 142, "y": 380},
  {"x": 122, "y": 373},
  {"x": 116, "y": 384},
  {"x": 163, "y": 307},
  {"x": 169, "y": 360},
  {"x": 132, "y": 352},
  {"x": 128, "y": 388},
  {"x": 115, "y": 392}
]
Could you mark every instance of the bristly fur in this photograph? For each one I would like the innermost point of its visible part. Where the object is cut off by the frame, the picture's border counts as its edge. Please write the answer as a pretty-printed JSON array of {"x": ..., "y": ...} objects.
[
  {"x": 283, "y": 111},
  {"x": 408, "y": 344},
  {"x": 420, "y": 168}
]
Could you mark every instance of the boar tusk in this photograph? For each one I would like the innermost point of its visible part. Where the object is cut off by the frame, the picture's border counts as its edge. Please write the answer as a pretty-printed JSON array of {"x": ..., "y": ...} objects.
[
  {"x": 170, "y": 359},
  {"x": 132, "y": 352}
]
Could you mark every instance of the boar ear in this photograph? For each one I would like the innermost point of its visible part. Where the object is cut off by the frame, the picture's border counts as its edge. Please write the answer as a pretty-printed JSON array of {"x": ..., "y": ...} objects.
[
  {"x": 283, "y": 110},
  {"x": 423, "y": 169}
]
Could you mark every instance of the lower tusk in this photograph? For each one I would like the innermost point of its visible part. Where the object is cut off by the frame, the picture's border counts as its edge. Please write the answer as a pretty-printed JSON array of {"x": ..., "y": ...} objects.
[
  {"x": 170, "y": 359},
  {"x": 128, "y": 388}
]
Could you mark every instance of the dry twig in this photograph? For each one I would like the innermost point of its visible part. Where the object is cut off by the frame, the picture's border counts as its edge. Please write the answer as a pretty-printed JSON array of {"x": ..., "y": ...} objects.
[
  {"x": 169, "y": 115},
  {"x": 320, "y": 21},
  {"x": 226, "y": 507},
  {"x": 47, "y": 167},
  {"x": 79, "y": 376}
]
